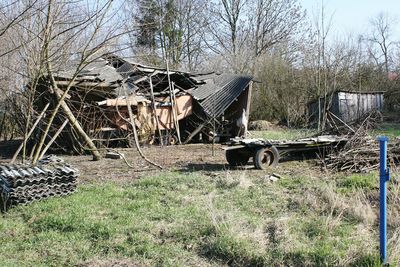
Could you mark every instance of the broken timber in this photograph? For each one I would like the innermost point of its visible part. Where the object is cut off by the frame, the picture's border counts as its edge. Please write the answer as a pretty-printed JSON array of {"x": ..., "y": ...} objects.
[
  {"x": 153, "y": 102},
  {"x": 168, "y": 105}
]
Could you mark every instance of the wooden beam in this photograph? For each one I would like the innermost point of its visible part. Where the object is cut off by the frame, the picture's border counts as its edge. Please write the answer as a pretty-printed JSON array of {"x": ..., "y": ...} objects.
[
  {"x": 197, "y": 130},
  {"x": 175, "y": 116},
  {"x": 153, "y": 105},
  {"x": 53, "y": 139},
  {"x": 345, "y": 124},
  {"x": 29, "y": 133}
]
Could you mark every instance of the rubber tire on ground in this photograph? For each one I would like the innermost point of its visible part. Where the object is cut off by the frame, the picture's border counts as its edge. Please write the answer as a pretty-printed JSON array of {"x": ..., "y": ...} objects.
[
  {"x": 172, "y": 140},
  {"x": 266, "y": 157},
  {"x": 235, "y": 158}
]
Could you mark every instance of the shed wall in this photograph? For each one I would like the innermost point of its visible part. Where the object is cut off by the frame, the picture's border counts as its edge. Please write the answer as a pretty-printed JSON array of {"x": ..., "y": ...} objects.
[{"x": 352, "y": 105}]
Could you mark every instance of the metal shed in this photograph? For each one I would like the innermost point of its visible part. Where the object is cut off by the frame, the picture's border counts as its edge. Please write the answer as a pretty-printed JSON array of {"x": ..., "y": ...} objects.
[{"x": 347, "y": 105}]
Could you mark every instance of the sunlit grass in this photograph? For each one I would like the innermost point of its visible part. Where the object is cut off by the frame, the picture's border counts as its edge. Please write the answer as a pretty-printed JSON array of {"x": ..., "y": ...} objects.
[
  {"x": 392, "y": 130},
  {"x": 191, "y": 219}
]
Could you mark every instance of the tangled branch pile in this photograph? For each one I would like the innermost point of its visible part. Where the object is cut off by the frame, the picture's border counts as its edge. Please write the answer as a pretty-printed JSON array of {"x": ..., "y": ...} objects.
[{"x": 361, "y": 152}]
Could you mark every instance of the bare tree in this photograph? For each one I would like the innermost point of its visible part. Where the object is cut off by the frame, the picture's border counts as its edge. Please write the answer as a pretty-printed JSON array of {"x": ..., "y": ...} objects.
[
  {"x": 168, "y": 28},
  {"x": 381, "y": 39},
  {"x": 273, "y": 22},
  {"x": 244, "y": 30},
  {"x": 56, "y": 36},
  {"x": 322, "y": 26}
]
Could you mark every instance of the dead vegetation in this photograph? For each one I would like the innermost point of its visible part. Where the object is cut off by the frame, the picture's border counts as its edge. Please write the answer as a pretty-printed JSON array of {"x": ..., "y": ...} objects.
[
  {"x": 263, "y": 125},
  {"x": 361, "y": 152}
]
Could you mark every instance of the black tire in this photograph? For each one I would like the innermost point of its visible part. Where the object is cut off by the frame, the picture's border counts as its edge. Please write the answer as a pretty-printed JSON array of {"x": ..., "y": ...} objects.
[
  {"x": 172, "y": 140},
  {"x": 236, "y": 158},
  {"x": 266, "y": 157}
]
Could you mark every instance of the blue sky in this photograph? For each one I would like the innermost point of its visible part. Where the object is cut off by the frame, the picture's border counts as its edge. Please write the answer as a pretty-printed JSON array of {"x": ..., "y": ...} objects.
[{"x": 352, "y": 16}]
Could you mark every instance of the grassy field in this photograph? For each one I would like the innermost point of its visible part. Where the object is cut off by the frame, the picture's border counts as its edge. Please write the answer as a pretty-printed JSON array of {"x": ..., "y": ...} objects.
[
  {"x": 210, "y": 217},
  {"x": 177, "y": 219},
  {"x": 392, "y": 130}
]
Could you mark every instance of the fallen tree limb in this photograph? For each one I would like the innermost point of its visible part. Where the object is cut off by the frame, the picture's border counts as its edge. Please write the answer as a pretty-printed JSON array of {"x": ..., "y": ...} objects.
[{"x": 135, "y": 134}]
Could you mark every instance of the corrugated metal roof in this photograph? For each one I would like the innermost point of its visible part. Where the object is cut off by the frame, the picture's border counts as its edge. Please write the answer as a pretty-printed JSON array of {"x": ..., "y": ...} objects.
[
  {"x": 200, "y": 78},
  {"x": 360, "y": 92},
  {"x": 216, "y": 83},
  {"x": 223, "y": 96},
  {"x": 96, "y": 71}
]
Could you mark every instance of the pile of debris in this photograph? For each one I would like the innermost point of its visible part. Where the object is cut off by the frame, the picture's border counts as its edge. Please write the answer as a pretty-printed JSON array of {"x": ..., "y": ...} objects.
[
  {"x": 21, "y": 184},
  {"x": 360, "y": 154},
  {"x": 167, "y": 106}
]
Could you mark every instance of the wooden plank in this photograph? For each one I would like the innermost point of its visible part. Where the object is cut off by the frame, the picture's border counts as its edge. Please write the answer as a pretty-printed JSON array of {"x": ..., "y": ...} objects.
[
  {"x": 196, "y": 131},
  {"x": 53, "y": 139},
  {"x": 153, "y": 105}
]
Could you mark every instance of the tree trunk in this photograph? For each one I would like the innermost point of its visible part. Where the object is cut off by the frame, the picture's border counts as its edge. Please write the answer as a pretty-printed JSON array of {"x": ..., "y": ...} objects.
[{"x": 77, "y": 127}]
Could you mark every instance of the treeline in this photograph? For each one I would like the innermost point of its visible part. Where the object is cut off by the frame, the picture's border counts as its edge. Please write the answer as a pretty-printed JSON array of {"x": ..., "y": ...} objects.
[{"x": 294, "y": 55}]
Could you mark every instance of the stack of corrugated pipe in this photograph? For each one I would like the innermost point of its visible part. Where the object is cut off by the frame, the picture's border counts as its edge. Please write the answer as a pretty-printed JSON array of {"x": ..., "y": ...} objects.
[{"x": 20, "y": 184}]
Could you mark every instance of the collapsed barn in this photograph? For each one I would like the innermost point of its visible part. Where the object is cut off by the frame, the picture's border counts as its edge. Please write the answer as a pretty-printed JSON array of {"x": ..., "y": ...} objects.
[{"x": 168, "y": 106}]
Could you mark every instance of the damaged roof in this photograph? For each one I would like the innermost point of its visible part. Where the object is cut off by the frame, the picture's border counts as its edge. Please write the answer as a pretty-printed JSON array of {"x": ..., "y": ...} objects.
[
  {"x": 211, "y": 84},
  {"x": 213, "y": 91},
  {"x": 98, "y": 70},
  {"x": 220, "y": 94}
]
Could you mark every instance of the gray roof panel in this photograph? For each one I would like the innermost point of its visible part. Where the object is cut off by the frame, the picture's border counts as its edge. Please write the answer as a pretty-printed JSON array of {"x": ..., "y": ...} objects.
[
  {"x": 212, "y": 86},
  {"x": 96, "y": 71},
  {"x": 216, "y": 103}
]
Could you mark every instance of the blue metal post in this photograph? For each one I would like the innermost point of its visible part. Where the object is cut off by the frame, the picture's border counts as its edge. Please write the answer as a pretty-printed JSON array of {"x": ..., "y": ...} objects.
[{"x": 384, "y": 175}]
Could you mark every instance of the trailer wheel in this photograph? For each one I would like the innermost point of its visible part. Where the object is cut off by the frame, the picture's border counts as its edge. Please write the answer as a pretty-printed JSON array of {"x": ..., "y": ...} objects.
[
  {"x": 266, "y": 157},
  {"x": 235, "y": 158},
  {"x": 172, "y": 140}
]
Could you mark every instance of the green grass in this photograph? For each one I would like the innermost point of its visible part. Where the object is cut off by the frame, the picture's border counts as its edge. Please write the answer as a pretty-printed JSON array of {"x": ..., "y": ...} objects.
[
  {"x": 283, "y": 134},
  {"x": 391, "y": 130},
  {"x": 365, "y": 182},
  {"x": 181, "y": 219}
]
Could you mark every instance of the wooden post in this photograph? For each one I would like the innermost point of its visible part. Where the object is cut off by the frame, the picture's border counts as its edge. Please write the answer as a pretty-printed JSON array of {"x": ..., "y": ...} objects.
[
  {"x": 175, "y": 116},
  {"x": 153, "y": 102},
  {"x": 29, "y": 133},
  {"x": 170, "y": 84},
  {"x": 53, "y": 139},
  {"x": 2, "y": 125},
  {"x": 249, "y": 95}
]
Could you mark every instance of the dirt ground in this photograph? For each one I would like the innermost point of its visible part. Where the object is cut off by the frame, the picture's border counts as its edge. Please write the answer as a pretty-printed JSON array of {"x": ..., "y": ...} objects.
[
  {"x": 181, "y": 158},
  {"x": 172, "y": 158}
]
